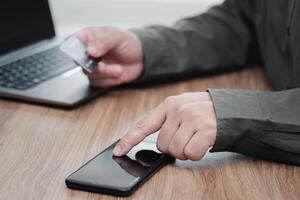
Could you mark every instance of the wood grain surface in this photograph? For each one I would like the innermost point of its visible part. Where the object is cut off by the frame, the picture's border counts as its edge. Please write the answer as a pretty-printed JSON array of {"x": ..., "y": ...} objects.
[{"x": 40, "y": 146}]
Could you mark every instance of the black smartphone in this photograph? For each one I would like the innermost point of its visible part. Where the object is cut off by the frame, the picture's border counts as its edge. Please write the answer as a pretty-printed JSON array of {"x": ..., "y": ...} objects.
[{"x": 119, "y": 176}]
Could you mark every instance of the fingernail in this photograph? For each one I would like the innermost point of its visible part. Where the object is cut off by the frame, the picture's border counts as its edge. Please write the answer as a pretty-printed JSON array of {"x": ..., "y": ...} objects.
[{"x": 117, "y": 150}]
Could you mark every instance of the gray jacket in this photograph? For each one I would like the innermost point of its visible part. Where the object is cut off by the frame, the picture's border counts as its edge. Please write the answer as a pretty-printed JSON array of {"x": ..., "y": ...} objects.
[{"x": 236, "y": 34}]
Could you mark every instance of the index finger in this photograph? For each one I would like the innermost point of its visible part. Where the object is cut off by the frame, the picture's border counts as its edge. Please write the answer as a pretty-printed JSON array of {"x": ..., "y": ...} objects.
[
  {"x": 147, "y": 126},
  {"x": 84, "y": 35}
]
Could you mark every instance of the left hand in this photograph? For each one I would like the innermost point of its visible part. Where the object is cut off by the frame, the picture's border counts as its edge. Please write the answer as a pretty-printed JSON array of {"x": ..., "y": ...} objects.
[{"x": 187, "y": 124}]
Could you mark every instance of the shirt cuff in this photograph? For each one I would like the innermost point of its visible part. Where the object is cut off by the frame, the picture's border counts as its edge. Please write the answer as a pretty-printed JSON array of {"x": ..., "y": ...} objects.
[{"x": 236, "y": 111}]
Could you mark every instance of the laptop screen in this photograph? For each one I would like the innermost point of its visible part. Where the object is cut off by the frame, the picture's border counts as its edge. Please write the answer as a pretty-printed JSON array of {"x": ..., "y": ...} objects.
[{"x": 24, "y": 22}]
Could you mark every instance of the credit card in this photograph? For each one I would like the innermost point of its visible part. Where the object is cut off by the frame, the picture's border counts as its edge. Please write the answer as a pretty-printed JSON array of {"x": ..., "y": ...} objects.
[{"x": 76, "y": 50}]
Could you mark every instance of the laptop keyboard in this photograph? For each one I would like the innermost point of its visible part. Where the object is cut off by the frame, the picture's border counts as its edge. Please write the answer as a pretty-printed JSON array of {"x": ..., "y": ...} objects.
[{"x": 30, "y": 71}]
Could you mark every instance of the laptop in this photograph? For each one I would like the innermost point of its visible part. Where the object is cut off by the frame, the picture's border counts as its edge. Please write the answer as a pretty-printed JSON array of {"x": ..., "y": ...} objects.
[{"x": 32, "y": 68}]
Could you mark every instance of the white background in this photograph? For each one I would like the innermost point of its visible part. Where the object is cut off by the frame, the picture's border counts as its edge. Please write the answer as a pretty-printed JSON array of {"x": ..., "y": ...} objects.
[{"x": 72, "y": 15}]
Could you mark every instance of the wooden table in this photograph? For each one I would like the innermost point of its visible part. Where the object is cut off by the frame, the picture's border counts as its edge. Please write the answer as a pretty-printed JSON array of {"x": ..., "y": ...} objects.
[{"x": 40, "y": 146}]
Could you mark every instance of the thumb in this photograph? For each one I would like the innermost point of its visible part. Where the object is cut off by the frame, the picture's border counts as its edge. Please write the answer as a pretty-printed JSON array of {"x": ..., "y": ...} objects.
[
  {"x": 147, "y": 126},
  {"x": 100, "y": 40}
]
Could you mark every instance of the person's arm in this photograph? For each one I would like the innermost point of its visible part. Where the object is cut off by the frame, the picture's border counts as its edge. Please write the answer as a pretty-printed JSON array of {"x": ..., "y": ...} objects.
[
  {"x": 222, "y": 38},
  {"x": 264, "y": 125}
]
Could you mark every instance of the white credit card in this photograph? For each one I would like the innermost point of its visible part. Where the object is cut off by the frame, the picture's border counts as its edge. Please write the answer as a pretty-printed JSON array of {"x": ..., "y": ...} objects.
[{"x": 76, "y": 49}]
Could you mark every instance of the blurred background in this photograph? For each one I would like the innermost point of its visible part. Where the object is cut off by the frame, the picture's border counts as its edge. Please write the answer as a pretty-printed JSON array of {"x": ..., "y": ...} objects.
[{"x": 72, "y": 15}]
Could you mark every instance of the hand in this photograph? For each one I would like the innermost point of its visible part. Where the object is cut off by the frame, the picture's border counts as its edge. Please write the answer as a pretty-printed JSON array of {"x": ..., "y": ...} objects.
[
  {"x": 121, "y": 53},
  {"x": 187, "y": 124}
]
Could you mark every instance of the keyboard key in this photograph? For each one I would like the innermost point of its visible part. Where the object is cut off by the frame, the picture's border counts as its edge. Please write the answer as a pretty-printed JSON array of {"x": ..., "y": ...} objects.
[{"x": 30, "y": 71}]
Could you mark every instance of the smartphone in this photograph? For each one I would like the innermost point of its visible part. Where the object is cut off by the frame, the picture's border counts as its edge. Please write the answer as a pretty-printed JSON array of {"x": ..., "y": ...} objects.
[{"x": 119, "y": 176}]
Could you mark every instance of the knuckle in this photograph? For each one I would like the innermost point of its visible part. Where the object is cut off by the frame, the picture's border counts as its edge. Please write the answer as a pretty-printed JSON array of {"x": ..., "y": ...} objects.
[
  {"x": 171, "y": 100},
  {"x": 187, "y": 112},
  {"x": 195, "y": 115},
  {"x": 190, "y": 154},
  {"x": 175, "y": 152},
  {"x": 140, "y": 125},
  {"x": 182, "y": 109}
]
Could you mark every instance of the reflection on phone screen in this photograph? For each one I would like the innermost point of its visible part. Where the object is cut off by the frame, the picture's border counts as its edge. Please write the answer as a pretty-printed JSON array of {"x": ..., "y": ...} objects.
[{"x": 119, "y": 172}]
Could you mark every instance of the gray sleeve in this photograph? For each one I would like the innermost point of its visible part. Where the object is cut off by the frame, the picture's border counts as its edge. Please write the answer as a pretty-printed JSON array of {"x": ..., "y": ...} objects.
[
  {"x": 264, "y": 125},
  {"x": 221, "y": 39}
]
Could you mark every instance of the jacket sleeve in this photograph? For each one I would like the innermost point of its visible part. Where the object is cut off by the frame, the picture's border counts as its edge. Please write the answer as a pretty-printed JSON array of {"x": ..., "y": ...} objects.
[
  {"x": 218, "y": 40},
  {"x": 264, "y": 125}
]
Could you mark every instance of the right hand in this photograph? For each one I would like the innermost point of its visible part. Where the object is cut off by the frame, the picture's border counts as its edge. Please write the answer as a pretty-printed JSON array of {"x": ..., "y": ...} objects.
[{"x": 121, "y": 55}]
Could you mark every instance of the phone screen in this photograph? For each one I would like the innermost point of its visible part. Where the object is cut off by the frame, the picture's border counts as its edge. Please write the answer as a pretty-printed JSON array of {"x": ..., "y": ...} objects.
[{"x": 119, "y": 173}]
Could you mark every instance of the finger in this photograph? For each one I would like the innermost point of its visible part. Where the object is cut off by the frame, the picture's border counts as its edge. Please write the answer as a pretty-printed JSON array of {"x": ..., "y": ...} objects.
[
  {"x": 104, "y": 83},
  {"x": 100, "y": 73},
  {"x": 107, "y": 71},
  {"x": 197, "y": 146},
  {"x": 166, "y": 133},
  {"x": 84, "y": 35},
  {"x": 100, "y": 40},
  {"x": 89, "y": 37},
  {"x": 148, "y": 125},
  {"x": 179, "y": 141}
]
